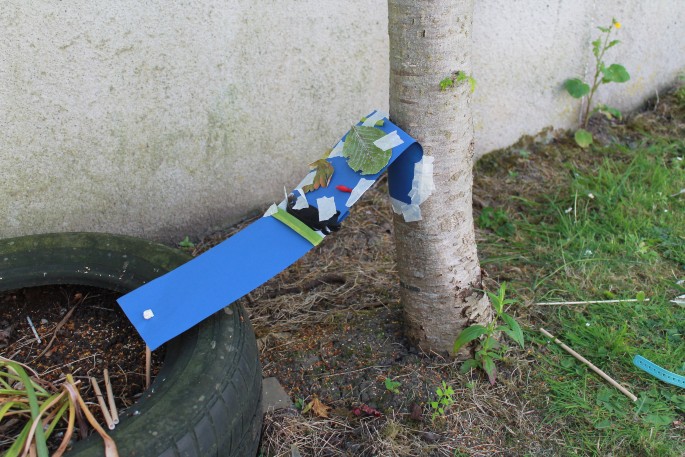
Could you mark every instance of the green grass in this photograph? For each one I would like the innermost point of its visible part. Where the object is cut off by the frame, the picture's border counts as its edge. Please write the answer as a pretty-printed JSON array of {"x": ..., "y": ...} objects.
[{"x": 607, "y": 233}]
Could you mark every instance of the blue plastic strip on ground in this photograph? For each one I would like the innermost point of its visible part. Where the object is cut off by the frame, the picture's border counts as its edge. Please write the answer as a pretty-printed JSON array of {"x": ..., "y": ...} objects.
[
  {"x": 658, "y": 372},
  {"x": 194, "y": 291}
]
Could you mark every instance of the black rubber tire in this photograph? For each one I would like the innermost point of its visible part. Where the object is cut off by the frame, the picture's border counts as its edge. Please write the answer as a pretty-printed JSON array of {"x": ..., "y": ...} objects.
[{"x": 206, "y": 399}]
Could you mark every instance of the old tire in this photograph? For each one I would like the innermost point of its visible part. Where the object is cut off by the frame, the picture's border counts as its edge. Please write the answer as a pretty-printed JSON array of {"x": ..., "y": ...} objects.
[{"x": 206, "y": 399}]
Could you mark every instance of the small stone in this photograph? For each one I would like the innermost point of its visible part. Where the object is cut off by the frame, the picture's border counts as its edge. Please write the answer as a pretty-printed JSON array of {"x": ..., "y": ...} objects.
[{"x": 148, "y": 314}]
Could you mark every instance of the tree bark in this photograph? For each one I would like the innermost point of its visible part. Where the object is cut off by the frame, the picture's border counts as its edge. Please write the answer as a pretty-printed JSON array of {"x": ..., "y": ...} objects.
[{"x": 436, "y": 256}]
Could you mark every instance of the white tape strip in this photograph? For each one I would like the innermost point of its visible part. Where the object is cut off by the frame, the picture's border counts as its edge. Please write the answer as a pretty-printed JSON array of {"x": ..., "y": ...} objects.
[
  {"x": 309, "y": 179},
  {"x": 409, "y": 211},
  {"x": 388, "y": 141},
  {"x": 396, "y": 205},
  {"x": 362, "y": 186},
  {"x": 273, "y": 209},
  {"x": 336, "y": 151},
  {"x": 301, "y": 201},
  {"x": 412, "y": 213},
  {"x": 422, "y": 185},
  {"x": 326, "y": 207},
  {"x": 375, "y": 117}
]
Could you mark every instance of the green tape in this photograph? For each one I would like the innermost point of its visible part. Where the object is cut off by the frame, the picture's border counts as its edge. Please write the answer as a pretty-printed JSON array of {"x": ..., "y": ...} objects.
[{"x": 299, "y": 226}]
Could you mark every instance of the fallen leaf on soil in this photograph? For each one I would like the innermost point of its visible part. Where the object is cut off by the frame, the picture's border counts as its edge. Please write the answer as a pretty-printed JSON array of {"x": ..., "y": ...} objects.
[
  {"x": 317, "y": 408},
  {"x": 416, "y": 412},
  {"x": 366, "y": 409}
]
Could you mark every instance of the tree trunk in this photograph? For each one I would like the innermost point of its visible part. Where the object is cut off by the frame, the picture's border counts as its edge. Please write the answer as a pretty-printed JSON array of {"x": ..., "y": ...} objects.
[{"x": 437, "y": 259}]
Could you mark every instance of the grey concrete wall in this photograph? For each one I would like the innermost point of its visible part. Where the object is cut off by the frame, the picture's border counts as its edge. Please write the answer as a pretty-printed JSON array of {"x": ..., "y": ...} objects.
[{"x": 161, "y": 119}]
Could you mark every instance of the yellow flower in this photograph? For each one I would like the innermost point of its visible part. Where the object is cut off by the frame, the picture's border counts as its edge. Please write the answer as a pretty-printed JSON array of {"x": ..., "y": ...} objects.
[{"x": 617, "y": 24}]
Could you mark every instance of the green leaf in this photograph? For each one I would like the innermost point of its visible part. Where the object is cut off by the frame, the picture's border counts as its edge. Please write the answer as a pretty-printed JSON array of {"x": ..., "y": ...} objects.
[
  {"x": 613, "y": 43},
  {"x": 583, "y": 138},
  {"x": 41, "y": 445},
  {"x": 468, "y": 365},
  {"x": 640, "y": 296},
  {"x": 601, "y": 425},
  {"x": 576, "y": 88},
  {"x": 615, "y": 73},
  {"x": 186, "y": 243},
  {"x": 604, "y": 29},
  {"x": 490, "y": 369},
  {"x": 322, "y": 177},
  {"x": 467, "y": 335},
  {"x": 659, "y": 419},
  {"x": 609, "y": 112},
  {"x": 362, "y": 155},
  {"x": 595, "y": 47},
  {"x": 515, "y": 332}
]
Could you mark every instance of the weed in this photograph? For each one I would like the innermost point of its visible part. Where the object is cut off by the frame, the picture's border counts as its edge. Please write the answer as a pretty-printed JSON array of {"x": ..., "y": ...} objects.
[
  {"x": 299, "y": 403},
  {"x": 497, "y": 220},
  {"x": 186, "y": 243},
  {"x": 392, "y": 386},
  {"x": 445, "y": 400},
  {"x": 457, "y": 78},
  {"x": 490, "y": 349},
  {"x": 604, "y": 74}
]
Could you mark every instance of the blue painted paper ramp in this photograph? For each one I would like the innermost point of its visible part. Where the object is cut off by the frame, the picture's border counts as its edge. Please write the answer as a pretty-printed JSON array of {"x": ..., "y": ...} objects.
[{"x": 180, "y": 299}]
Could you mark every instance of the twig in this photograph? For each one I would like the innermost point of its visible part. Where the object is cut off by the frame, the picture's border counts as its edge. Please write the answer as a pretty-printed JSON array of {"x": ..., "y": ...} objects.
[
  {"x": 307, "y": 286},
  {"x": 110, "y": 397},
  {"x": 57, "y": 328},
  {"x": 35, "y": 333},
  {"x": 590, "y": 302},
  {"x": 101, "y": 402},
  {"x": 148, "y": 363},
  {"x": 625, "y": 391}
]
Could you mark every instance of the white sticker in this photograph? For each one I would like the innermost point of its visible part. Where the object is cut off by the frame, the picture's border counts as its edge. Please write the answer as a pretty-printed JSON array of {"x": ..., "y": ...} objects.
[
  {"x": 375, "y": 117},
  {"x": 335, "y": 152},
  {"x": 326, "y": 207},
  {"x": 388, "y": 141},
  {"x": 362, "y": 186},
  {"x": 148, "y": 314}
]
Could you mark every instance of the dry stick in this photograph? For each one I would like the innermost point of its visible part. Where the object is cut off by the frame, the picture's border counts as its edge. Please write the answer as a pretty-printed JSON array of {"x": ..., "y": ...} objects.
[
  {"x": 625, "y": 391},
  {"x": 148, "y": 362},
  {"x": 591, "y": 302},
  {"x": 101, "y": 402},
  {"x": 54, "y": 333},
  {"x": 110, "y": 397}
]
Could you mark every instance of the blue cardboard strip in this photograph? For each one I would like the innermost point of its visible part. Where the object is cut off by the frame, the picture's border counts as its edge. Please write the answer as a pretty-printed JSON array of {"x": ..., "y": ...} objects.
[{"x": 182, "y": 298}]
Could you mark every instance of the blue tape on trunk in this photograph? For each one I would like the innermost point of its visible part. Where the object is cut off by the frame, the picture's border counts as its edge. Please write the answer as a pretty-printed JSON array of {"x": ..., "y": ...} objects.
[{"x": 180, "y": 299}]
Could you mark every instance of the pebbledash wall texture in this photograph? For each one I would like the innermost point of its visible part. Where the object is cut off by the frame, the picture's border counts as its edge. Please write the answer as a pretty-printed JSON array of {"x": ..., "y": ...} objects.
[{"x": 161, "y": 119}]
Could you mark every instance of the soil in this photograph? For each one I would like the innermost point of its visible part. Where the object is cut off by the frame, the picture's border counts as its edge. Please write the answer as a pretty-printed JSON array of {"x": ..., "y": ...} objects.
[{"x": 82, "y": 331}]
